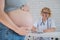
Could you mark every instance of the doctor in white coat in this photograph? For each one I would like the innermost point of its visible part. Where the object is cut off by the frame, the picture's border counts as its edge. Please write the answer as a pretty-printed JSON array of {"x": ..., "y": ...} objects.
[{"x": 45, "y": 23}]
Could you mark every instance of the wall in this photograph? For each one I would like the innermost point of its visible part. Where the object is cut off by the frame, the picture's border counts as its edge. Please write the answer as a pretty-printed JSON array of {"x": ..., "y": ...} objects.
[{"x": 37, "y": 5}]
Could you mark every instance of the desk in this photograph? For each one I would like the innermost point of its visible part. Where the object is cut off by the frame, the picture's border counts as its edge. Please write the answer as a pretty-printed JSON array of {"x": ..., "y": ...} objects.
[{"x": 51, "y": 34}]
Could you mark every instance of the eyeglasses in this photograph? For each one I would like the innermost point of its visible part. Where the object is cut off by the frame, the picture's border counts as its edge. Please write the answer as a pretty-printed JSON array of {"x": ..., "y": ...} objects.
[{"x": 45, "y": 12}]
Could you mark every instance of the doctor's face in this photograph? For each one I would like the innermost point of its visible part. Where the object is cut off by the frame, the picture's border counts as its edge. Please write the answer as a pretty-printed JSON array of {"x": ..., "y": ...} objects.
[{"x": 45, "y": 14}]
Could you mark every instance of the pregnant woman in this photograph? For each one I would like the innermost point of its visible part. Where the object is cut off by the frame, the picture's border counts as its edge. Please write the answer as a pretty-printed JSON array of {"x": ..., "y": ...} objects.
[{"x": 15, "y": 19}]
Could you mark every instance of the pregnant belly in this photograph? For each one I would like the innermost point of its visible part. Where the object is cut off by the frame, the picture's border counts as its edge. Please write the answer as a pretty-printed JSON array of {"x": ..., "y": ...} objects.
[{"x": 21, "y": 18}]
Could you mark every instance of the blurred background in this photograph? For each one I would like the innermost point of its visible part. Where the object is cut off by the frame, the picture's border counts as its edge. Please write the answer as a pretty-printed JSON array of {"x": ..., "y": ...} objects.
[{"x": 37, "y": 5}]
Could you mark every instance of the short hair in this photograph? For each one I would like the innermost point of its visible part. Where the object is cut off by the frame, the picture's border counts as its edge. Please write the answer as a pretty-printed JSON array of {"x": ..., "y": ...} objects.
[{"x": 48, "y": 9}]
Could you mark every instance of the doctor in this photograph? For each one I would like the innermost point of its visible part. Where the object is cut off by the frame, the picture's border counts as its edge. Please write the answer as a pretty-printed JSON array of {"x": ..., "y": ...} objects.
[{"x": 45, "y": 23}]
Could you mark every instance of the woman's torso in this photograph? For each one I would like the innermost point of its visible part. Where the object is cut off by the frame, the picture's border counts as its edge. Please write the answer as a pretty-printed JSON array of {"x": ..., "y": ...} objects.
[
  {"x": 21, "y": 18},
  {"x": 16, "y": 16}
]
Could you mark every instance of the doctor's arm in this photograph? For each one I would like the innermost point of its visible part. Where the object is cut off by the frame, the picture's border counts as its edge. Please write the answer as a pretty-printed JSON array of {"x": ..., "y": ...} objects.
[
  {"x": 49, "y": 30},
  {"x": 52, "y": 29},
  {"x": 33, "y": 29}
]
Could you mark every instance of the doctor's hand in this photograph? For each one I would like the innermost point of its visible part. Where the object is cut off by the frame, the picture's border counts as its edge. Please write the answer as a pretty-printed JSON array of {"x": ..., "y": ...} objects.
[
  {"x": 33, "y": 29},
  {"x": 46, "y": 30},
  {"x": 49, "y": 30}
]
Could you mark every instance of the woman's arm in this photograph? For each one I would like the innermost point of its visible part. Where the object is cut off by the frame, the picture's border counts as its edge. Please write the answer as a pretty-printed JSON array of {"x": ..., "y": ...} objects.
[{"x": 4, "y": 18}]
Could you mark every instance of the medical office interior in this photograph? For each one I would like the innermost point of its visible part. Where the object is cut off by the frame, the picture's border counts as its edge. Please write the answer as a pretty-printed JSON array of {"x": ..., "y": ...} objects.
[
  {"x": 35, "y": 7},
  {"x": 54, "y": 5}
]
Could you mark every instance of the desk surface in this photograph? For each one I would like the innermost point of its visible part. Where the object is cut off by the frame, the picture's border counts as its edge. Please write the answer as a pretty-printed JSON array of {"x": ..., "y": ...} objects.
[{"x": 51, "y": 34}]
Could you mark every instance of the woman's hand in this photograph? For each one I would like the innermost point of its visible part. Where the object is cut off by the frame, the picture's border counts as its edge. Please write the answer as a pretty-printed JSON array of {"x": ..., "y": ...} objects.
[{"x": 24, "y": 30}]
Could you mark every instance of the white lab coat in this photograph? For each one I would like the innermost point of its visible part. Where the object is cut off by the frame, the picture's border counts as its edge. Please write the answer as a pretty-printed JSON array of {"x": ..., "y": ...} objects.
[{"x": 42, "y": 26}]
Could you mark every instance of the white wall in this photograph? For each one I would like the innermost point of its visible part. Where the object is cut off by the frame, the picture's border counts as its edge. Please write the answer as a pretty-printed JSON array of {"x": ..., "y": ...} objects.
[{"x": 37, "y": 5}]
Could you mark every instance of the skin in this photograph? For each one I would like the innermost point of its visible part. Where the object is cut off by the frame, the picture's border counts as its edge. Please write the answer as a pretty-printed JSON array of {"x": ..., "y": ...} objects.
[
  {"x": 44, "y": 18},
  {"x": 33, "y": 29},
  {"x": 21, "y": 18},
  {"x": 12, "y": 21}
]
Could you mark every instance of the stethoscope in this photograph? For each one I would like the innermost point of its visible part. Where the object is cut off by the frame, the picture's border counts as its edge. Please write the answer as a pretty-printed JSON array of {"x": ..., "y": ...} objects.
[{"x": 48, "y": 24}]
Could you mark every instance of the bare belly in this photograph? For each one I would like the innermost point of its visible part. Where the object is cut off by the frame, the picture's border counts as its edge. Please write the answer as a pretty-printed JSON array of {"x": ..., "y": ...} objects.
[{"x": 21, "y": 18}]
